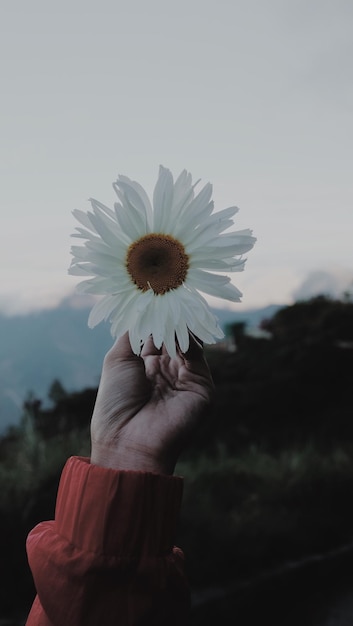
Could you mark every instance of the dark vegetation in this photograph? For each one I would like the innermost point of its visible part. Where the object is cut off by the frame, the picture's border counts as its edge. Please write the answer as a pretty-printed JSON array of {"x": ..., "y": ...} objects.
[{"x": 268, "y": 476}]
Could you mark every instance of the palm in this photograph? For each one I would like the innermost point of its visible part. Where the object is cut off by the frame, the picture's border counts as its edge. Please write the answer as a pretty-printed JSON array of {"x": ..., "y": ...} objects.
[{"x": 156, "y": 402}]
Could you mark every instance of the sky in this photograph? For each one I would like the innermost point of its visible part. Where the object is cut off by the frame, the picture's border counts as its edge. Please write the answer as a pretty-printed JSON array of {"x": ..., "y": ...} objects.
[{"x": 254, "y": 96}]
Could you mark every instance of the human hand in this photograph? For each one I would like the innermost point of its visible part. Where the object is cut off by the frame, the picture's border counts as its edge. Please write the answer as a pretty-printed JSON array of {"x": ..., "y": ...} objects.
[{"x": 147, "y": 406}]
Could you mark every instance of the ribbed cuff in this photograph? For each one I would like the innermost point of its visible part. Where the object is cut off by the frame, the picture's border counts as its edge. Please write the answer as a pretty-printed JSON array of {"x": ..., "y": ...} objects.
[{"x": 118, "y": 513}]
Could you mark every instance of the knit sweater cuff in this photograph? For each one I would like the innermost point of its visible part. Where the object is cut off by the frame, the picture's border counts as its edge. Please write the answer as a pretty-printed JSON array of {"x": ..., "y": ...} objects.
[{"x": 119, "y": 513}]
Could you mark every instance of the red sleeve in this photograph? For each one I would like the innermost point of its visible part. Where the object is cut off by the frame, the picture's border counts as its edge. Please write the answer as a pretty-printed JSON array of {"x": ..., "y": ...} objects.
[{"x": 108, "y": 558}]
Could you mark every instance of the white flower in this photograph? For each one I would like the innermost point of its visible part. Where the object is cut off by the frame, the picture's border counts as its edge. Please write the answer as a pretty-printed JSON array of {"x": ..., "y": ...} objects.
[{"x": 150, "y": 262}]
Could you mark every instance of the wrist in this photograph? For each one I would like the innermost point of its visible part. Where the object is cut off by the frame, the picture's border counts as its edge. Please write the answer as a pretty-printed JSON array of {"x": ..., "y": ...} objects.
[{"x": 124, "y": 458}]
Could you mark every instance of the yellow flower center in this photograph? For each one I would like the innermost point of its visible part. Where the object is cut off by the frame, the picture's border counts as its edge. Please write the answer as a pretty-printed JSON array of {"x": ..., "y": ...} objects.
[{"x": 157, "y": 262}]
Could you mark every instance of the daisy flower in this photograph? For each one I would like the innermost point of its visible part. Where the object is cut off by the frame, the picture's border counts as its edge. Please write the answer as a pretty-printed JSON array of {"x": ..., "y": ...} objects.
[{"x": 150, "y": 261}]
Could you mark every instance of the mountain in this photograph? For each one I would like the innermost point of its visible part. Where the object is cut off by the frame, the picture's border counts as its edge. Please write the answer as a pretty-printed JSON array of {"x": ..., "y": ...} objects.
[{"x": 37, "y": 348}]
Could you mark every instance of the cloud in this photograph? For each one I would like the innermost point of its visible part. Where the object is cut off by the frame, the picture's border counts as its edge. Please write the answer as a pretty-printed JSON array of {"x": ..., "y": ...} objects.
[
  {"x": 23, "y": 291},
  {"x": 326, "y": 283}
]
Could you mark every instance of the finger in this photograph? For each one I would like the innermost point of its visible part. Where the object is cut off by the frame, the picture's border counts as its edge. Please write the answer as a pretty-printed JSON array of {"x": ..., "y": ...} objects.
[
  {"x": 198, "y": 341},
  {"x": 194, "y": 354},
  {"x": 150, "y": 349},
  {"x": 121, "y": 350},
  {"x": 194, "y": 358}
]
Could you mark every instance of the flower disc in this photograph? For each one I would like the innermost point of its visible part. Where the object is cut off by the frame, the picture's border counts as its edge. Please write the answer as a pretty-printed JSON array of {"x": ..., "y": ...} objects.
[{"x": 157, "y": 262}]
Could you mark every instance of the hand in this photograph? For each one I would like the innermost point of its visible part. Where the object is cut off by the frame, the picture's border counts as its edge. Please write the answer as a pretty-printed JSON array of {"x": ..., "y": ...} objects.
[{"x": 147, "y": 406}]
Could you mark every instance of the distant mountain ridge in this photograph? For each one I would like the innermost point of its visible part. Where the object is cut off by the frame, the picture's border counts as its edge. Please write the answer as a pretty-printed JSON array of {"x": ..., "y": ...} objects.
[{"x": 37, "y": 348}]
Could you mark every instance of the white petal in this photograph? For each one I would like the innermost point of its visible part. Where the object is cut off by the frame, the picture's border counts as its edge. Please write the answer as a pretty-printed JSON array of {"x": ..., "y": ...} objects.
[
  {"x": 213, "y": 284},
  {"x": 98, "y": 205},
  {"x": 200, "y": 237},
  {"x": 134, "y": 339},
  {"x": 118, "y": 252},
  {"x": 80, "y": 252},
  {"x": 163, "y": 329},
  {"x": 237, "y": 238},
  {"x": 162, "y": 199},
  {"x": 191, "y": 225},
  {"x": 200, "y": 277},
  {"x": 110, "y": 235},
  {"x": 120, "y": 324},
  {"x": 212, "y": 227},
  {"x": 139, "y": 329},
  {"x": 200, "y": 205},
  {"x": 226, "y": 213},
  {"x": 199, "y": 319},
  {"x": 82, "y": 233},
  {"x": 158, "y": 321},
  {"x": 110, "y": 225},
  {"x": 102, "y": 310},
  {"x": 107, "y": 262},
  {"x": 215, "y": 288},
  {"x": 183, "y": 194},
  {"x": 95, "y": 286},
  {"x": 83, "y": 218},
  {"x": 182, "y": 188},
  {"x": 135, "y": 219},
  {"x": 79, "y": 269},
  {"x": 130, "y": 222},
  {"x": 207, "y": 336},
  {"x": 222, "y": 265},
  {"x": 182, "y": 335},
  {"x": 173, "y": 300},
  {"x": 121, "y": 319},
  {"x": 230, "y": 292},
  {"x": 93, "y": 269},
  {"x": 169, "y": 338},
  {"x": 137, "y": 198},
  {"x": 223, "y": 251}
]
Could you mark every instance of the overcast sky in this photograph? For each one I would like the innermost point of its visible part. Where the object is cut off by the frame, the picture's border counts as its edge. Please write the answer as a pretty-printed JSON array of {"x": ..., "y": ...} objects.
[{"x": 254, "y": 96}]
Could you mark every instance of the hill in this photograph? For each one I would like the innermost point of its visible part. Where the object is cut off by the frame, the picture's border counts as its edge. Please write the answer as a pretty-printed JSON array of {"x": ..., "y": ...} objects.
[{"x": 38, "y": 348}]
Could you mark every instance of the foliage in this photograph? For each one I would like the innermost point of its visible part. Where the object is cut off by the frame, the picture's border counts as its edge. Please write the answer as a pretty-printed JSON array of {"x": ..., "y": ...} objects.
[
  {"x": 267, "y": 476},
  {"x": 257, "y": 510},
  {"x": 32, "y": 457}
]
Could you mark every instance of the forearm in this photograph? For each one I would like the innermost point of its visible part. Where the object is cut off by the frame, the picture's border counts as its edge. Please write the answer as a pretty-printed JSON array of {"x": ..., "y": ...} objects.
[{"x": 109, "y": 557}]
